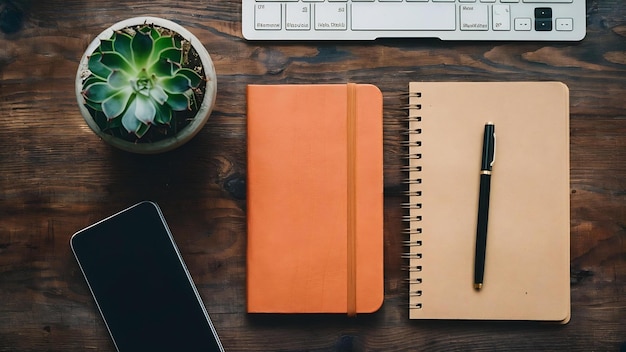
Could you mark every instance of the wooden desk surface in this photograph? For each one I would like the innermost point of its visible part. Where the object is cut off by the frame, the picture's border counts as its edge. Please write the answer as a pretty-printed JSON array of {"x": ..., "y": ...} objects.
[{"x": 57, "y": 177}]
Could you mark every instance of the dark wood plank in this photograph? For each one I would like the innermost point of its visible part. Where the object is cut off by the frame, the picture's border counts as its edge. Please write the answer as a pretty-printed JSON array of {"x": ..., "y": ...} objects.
[{"x": 57, "y": 177}]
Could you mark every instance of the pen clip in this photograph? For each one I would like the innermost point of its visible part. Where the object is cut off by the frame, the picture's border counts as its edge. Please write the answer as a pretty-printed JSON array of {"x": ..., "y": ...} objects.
[
  {"x": 493, "y": 158},
  {"x": 489, "y": 148}
]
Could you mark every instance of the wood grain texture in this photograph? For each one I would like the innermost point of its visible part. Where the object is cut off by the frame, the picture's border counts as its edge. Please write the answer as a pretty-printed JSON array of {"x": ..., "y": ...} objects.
[{"x": 56, "y": 177}]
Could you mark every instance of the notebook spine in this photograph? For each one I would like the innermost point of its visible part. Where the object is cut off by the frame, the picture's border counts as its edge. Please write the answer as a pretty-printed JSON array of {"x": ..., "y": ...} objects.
[{"x": 413, "y": 242}]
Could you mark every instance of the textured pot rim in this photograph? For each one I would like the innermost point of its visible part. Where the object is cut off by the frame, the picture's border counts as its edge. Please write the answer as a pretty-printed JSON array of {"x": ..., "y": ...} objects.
[{"x": 189, "y": 131}]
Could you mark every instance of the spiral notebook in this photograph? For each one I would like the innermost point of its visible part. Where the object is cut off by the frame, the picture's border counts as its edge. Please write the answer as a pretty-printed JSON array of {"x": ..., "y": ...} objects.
[
  {"x": 315, "y": 199},
  {"x": 527, "y": 254}
]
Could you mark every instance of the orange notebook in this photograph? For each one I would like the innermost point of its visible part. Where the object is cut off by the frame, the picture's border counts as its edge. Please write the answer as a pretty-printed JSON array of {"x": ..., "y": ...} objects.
[{"x": 315, "y": 199}]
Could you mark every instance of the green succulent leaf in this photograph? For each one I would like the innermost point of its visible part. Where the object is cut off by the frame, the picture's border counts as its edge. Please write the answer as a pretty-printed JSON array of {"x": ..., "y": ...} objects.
[
  {"x": 121, "y": 44},
  {"x": 162, "y": 68},
  {"x": 98, "y": 92},
  {"x": 144, "y": 109},
  {"x": 142, "y": 45},
  {"x": 161, "y": 44},
  {"x": 158, "y": 94},
  {"x": 115, "y": 61},
  {"x": 118, "y": 79},
  {"x": 129, "y": 121},
  {"x": 150, "y": 30},
  {"x": 92, "y": 79},
  {"x": 154, "y": 33},
  {"x": 106, "y": 45},
  {"x": 115, "y": 123},
  {"x": 145, "y": 29},
  {"x": 114, "y": 106},
  {"x": 96, "y": 67},
  {"x": 172, "y": 54},
  {"x": 142, "y": 130},
  {"x": 163, "y": 115},
  {"x": 193, "y": 76},
  {"x": 95, "y": 106},
  {"x": 178, "y": 102},
  {"x": 177, "y": 84}
]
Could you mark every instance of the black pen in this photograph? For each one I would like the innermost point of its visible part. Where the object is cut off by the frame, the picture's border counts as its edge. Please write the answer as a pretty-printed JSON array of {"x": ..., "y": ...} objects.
[{"x": 488, "y": 158}]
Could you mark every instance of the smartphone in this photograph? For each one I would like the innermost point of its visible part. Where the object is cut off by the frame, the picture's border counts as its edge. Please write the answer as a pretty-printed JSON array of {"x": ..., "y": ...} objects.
[{"x": 141, "y": 285}]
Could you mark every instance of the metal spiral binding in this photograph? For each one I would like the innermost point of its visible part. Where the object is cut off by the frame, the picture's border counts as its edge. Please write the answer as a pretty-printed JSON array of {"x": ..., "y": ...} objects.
[
  {"x": 413, "y": 193},
  {"x": 411, "y": 218},
  {"x": 411, "y": 168},
  {"x": 414, "y": 268},
  {"x": 412, "y": 243},
  {"x": 411, "y": 144},
  {"x": 413, "y": 131},
  {"x": 413, "y": 231}
]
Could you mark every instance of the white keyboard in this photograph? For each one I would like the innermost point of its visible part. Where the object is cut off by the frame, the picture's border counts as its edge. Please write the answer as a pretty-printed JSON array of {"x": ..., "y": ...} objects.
[{"x": 559, "y": 20}]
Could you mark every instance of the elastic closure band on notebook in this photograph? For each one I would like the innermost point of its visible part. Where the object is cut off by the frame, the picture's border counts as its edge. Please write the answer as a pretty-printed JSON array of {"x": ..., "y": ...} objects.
[{"x": 351, "y": 201}]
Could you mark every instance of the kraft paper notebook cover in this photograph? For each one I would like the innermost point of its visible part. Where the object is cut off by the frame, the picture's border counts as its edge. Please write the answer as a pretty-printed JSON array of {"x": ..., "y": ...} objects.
[
  {"x": 315, "y": 199},
  {"x": 527, "y": 253}
]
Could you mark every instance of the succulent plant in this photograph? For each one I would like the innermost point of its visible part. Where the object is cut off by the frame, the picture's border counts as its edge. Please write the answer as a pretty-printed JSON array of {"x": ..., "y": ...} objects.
[{"x": 137, "y": 79}]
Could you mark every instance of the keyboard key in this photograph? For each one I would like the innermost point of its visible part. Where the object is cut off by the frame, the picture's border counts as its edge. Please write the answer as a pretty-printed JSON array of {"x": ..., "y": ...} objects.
[
  {"x": 298, "y": 16},
  {"x": 268, "y": 16},
  {"x": 564, "y": 24},
  {"x": 415, "y": 16},
  {"x": 543, "y": 25},
  {"x": 523, "y": 24},
  {"x": 331, "y": 16},
  {"x": 501, "y": 15},
  {"x": 543, "y": 12},
  {"x": 474, "y": 17}
]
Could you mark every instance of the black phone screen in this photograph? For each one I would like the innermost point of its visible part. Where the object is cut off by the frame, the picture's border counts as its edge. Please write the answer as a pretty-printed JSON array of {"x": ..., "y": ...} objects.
[{"x": 141, "y": 284}]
